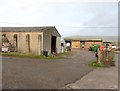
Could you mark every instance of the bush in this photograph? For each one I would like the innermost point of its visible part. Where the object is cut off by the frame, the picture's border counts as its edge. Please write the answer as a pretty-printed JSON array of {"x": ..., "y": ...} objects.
[
  {"x": 94, "y": 47},
  {"x": 106, "y": 61},
  {"x": 108, "y": 58}
]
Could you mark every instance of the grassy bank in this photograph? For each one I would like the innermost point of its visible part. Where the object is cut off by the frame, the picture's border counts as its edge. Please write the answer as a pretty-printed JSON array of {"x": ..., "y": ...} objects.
[{"x": 25, "y": 55}]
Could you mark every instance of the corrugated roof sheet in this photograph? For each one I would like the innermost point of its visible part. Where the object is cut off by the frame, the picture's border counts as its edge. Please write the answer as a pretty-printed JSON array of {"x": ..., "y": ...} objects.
[
  {"x": 30, "y": 29},
  {"x": 82, "y": 39},
  {"x": 22, "y": 29}
]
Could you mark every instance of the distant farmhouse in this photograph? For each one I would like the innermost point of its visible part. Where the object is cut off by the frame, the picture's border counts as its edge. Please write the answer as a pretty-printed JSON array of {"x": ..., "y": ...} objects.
[
  {"x": 82, "y": 42},
  {"x": 34, "y": 40}
]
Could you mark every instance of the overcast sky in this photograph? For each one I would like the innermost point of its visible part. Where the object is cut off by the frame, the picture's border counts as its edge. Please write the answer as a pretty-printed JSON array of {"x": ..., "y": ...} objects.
[{"x": 71, "y": 17}]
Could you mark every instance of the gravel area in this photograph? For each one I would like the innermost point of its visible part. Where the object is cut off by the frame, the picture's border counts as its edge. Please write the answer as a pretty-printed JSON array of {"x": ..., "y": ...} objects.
[
  {"x": 27, "y": 73},
  {"x": 119, "y": 71},
  {"x": 0, "y": 73}
]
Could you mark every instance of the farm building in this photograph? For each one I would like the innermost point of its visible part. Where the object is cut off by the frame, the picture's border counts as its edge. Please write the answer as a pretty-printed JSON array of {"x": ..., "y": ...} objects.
[
  {"x": 34, "y": 40},
  {"x": 82, "y": 43}
]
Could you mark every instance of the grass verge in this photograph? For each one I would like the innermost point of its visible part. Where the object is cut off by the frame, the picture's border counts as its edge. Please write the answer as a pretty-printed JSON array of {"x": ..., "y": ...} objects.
[
  {"x": 95, "y": 64},
  {"x": 25, "y": 55}
]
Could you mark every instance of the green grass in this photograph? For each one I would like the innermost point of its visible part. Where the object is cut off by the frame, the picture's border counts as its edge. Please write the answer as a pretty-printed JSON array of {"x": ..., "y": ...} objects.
[
  {"x": 25, "y": 55},
  {"x": 64, "y": 54},
  {"x": 95, "y": 64}
]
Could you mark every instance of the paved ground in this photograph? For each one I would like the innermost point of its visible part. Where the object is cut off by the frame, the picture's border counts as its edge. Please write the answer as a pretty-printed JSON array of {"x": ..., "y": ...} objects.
[
  {"x": 119, "y": 70},
  {"x": 25, "y": 73},
  {"x": 101, "y": 78},
  {"x": 0, "y": 73}
]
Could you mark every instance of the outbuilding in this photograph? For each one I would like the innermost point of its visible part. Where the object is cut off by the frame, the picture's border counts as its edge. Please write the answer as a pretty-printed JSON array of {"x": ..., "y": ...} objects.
[
  {"x": 34, "y": 40},
  {"x": 82, "y": 43}
]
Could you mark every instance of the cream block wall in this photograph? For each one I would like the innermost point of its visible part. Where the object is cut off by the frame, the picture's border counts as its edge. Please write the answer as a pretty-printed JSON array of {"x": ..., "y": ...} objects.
[{"x": 35, "y": 42}]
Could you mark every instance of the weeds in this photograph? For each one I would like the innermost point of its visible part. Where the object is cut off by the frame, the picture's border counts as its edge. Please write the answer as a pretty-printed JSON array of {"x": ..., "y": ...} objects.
[{"x": 96, "y": 64}]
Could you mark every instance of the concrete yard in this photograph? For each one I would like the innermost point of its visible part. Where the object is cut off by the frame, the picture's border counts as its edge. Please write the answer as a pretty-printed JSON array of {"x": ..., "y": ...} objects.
[
  {"x": 26, "y": 73},
  {"x": 100, "y": 78}
]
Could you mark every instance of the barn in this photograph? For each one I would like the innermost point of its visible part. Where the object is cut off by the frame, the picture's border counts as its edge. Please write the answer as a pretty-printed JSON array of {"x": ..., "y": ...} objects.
[
  {"x": 82, "y": 43},
  {"x": 34, "y": 40}
]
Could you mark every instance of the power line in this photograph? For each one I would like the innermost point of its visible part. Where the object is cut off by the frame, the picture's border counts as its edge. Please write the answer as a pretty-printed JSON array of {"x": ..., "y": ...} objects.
[
  {"x": 84, "y": 27},
  {"x": 64, "y": 26},
  {"x": 15, "y": 23}
]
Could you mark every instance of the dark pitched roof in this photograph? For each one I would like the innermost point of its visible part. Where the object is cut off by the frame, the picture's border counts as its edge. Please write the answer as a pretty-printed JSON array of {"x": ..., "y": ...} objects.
[
  {"x": 83, "y": 39},
  {"x": 30, "y": 29},
  {"x": 103, "y": 38}
]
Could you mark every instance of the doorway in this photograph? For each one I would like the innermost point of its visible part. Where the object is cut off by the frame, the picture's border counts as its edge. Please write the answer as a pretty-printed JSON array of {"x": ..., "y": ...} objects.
[
  {"x": 82, "y": 44},
  {"x": 53, "y": 44},
  {"x": 28, "y": 42},
  {"x": 15, "y": 41}
]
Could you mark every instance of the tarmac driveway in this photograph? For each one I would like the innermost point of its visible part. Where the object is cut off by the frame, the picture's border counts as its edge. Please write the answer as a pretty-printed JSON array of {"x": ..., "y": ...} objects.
[{"x": 26, "y": 73}]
